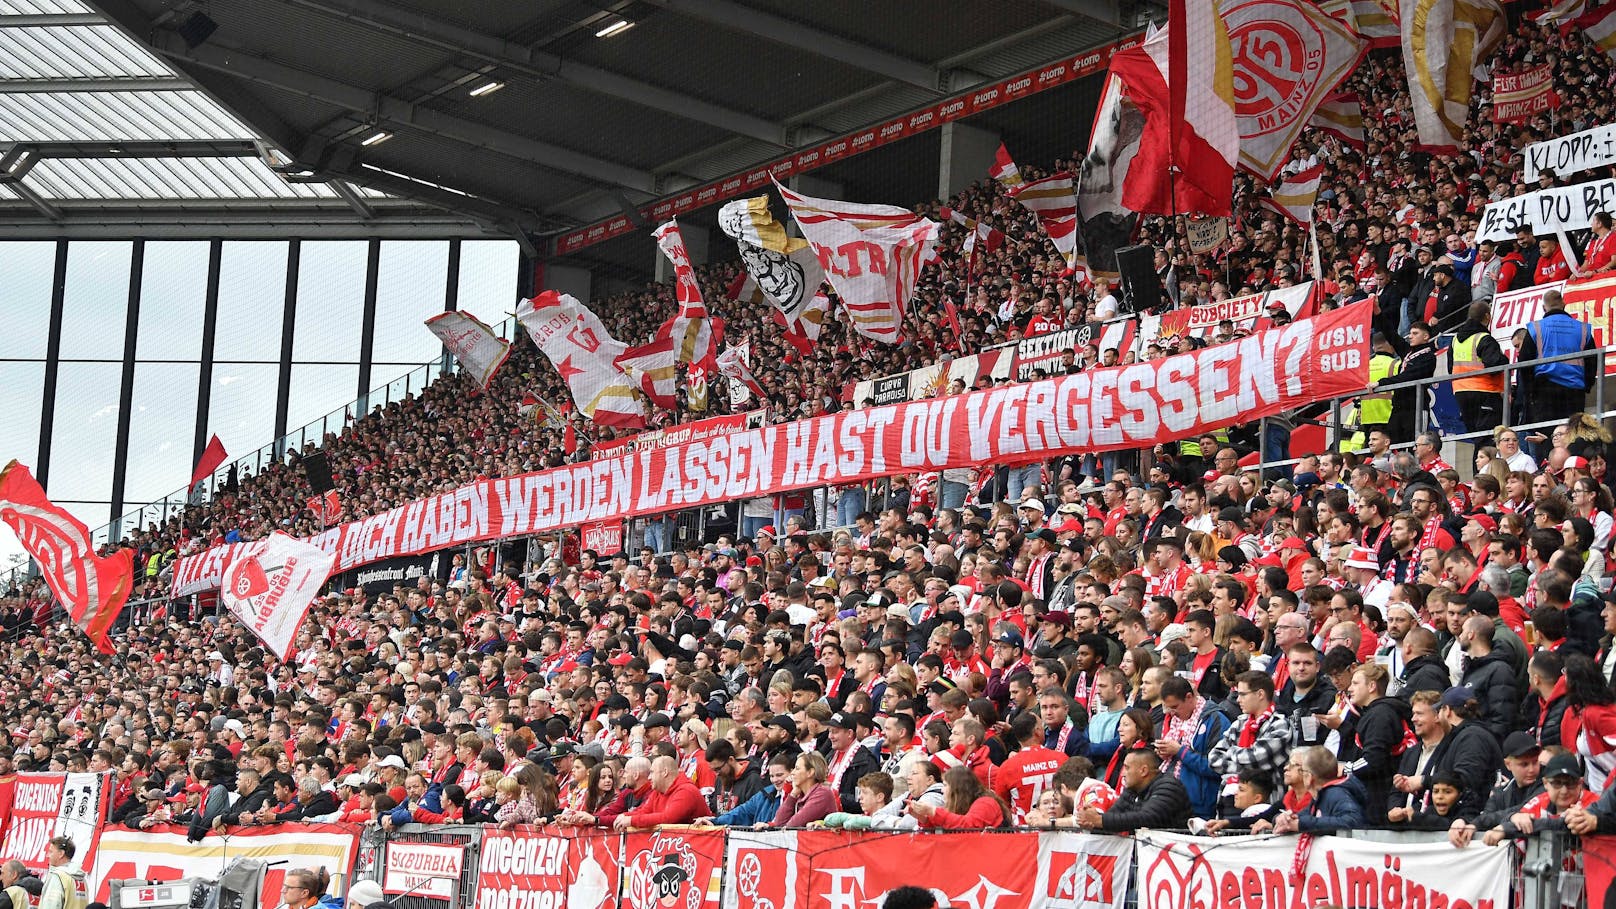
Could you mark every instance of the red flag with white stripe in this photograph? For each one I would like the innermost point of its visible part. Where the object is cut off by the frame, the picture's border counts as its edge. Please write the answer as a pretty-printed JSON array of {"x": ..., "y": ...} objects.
[
  {"x": 1294, "y": 196},
  {"x": 1004, "y": 170},
  {"x": 690, "y": 328},
  {"x": 1341, "y": 116},
  {"x": 1054, "y": 200}
]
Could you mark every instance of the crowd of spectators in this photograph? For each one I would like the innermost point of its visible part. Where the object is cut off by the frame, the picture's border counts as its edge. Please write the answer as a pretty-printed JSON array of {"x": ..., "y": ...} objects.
[{"x": 1369, "y": 640}]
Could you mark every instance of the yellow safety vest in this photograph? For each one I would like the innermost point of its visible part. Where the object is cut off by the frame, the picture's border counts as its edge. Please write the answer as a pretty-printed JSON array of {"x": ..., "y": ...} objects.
[{"x": 1465, "y": 360}]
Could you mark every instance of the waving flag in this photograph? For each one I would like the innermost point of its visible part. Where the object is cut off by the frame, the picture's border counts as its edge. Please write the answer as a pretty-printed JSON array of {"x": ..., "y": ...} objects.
[
  {"x": 1004, "y": 170},
  {"x": 1377, "y": 21},
  {"x": 1443, "y": 40},
  {"x": 91, "y": 589},
  {"x": 871, "y": 255},
  {"x": 1600, "y": 27},
  {"x": 654, "y": 369},
  {"x": 1288, "y": 55},
  {"x": 735, "y": 364},
  {"x": 269, "y": 585},
  {"x": 212, "y": 457},
  {"x": 1565, "y": 13},
  {"x": 1054, "y": 201},
  {"x": 691, "y": 328},
  {"x": 473, "y": 344},
  {"x": 1294, "y": 196},
  {"x": 784, "y": 270},
  {"x": 979, "y": 233},
  {"x": 584, "y": 353},
  {"x": 1341, "y": 116},
  {"x": 1107, "y": 224}
]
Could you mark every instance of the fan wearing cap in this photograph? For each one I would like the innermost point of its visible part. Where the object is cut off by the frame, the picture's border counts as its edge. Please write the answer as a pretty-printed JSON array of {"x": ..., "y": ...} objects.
[
  {"x": 848, "y": 760},
  {"x": 1566, "y": 792},
  {"x": 1469, "y": 749},
  {"x": 1523, "y": 760},
  {"x": 1040, "y": 553},
  {"x": 1362, "y": 570},
  {"x": 1032, "y": 513}
]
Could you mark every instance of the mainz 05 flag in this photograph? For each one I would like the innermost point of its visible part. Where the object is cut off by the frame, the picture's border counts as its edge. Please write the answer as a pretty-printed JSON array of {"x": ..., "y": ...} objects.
[
  {"x": 690, "y": 329},
  {"x": 585, "y": 354},
  {"x": 269, "y": 585},
  {"x": 1287, "y": 56},
  {"x": 91, "y": 589},
  {"x": 784, "y": 270},
  {"x": 871, "y": 255},
  {"x": 1443, "y": 40},
  {"x": 474, "y": 345}
]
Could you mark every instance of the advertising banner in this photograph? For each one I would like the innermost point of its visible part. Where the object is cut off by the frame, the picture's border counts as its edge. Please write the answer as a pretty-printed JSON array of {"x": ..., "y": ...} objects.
[
  {"x": 164, "y": 854},
  {"x": 422, "y": 869},
  {"x": 1263, "y": 873},
  {"x": 548, "y": 868},
  {"x": 1121, "y": 407},
  {"x": 46, "y": 805},
  {"x": 830, "y": 869}
]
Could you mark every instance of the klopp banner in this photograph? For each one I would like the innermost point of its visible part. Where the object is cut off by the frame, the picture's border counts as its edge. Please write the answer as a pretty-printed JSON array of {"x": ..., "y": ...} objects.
[
  {"x": 1262, "y": 873},
  {"x": 1120, "y": 407},
  {"x": 474, "y": 345},
  {"x": 830, "y": 869},
  {"x": 269, "y": 584},
  {"x": 46, "y": 805},
  {"x": 91, "y": 589}
]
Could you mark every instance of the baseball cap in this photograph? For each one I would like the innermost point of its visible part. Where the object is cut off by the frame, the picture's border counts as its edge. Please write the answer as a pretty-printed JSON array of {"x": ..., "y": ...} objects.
[
  {"x": 1520, "y": 744},
  {"x": 842, "y": 721},
  {"x": 1458, "y": 695},
  {"x": 782, "y": 721},
  {"x": 1010, "y": 636},
  {"x": 898, "y": 611},
  {"x": 1562, "y": 765},
  {"x": 392, "y": 760},
  {"x": 1034, "y": 504},
  {"x": 353, "y": 781},
  {"x": 1484, "y": 520}
]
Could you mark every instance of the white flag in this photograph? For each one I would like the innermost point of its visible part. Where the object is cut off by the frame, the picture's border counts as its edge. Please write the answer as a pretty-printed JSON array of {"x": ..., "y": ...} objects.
[
  {"x": 872, "y": 256},
  {"x": 690, "y": 329},
  {"x": 269, "y": 585},
  {"x": 585, "y": 354},
  {"x": 473, "y": 344}
]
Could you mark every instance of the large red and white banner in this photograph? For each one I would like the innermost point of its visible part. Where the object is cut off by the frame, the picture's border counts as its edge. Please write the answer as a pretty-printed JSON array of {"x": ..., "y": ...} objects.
[
  {"x": 548, "y": 868},
  {"x": 1592, "y": 301},
  {"x": 164, "y": 854},
  {"x": 1518, "y": 97},
  {"x": 472, "y": 343},
  {"x": 269, "y": 585},
  {"x": 585, "y": 354},
  {"x": 1133, "y": 406},
  {"x": 1176, "y": 871},
  {"x": 46, "y": 805},
  {"x": 1246, "y": 313},
  {"x": 91, "y": 589},
  {"x": 830, "y": 869}
]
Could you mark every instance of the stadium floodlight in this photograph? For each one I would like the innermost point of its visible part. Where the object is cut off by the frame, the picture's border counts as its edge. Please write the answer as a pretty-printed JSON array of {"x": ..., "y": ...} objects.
[
  {"x": 376, "y": 138},
  {"x": 616, "y": 28},
  {"x": 487, "y": 88}
]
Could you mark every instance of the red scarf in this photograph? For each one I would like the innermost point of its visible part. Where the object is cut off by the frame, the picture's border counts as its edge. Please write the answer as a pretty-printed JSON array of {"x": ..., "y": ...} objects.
[
  {"x": 1433, "y": 525},
  {"x": 1248, "y": 732}
]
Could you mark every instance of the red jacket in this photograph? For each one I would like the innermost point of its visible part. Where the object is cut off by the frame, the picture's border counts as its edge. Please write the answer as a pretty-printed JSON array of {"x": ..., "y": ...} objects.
[
  {"x": 681, "y": 804},
  {"x": 985, "y": 812}
]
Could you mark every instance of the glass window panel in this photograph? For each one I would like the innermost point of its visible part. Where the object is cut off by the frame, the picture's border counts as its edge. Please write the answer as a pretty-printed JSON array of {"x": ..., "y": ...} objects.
[
  {"x": 161, "y": 430},
  {"x": 173, "y": 298},
  {"x": 20, "y": 399},
  {"x": 318, "y": 391},
  {"x": 488, "y": 279},
  {"x": 85, "y": 433},
  {"x": 241, "y": 406},
  {"x": 25, "y": 296},
  {"x": 252, "y": 298},
  {"x": 409, "y": 290},
  {"x": 330, "y": 303},
  {"x": 93, "y": 318}
]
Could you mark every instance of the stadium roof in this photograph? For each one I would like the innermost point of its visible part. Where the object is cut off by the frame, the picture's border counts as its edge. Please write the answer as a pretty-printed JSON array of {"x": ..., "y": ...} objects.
[{"x": 524, "y": 117}]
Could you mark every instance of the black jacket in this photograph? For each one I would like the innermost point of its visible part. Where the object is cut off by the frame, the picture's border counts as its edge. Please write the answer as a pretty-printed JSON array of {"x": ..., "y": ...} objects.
[
  {"x": 1504, "y": 801},
  {"x": 1164, "y": 805},
  {"x": 1473, "y": 753},
  {"x": 1424, "y": 673},
  {"x": 1381, "y": 728},
  {"x": 864, "y": 761},
  {"x": 1544, "y": 724},
  {"x": 1409, "y": 765},
  {"x": 322, "y": 804},
  {"x": 1493, "y": 678},
  {"x": 249, "y": 803},
  {"x": 1319, "y": 700}
]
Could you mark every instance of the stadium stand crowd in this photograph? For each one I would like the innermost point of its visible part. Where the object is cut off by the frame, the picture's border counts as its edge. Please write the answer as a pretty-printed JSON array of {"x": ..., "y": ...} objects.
[{"x": 1184, "y": 642}]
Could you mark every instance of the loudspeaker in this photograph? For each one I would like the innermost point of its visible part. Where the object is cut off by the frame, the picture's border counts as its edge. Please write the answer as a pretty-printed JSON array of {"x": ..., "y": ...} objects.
[
  {"x": 319, "y": 472},
  {"x": 1141, "y": 288}
]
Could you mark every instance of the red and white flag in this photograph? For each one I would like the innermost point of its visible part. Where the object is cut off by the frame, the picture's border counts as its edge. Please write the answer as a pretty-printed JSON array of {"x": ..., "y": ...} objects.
[
  {"x": 269, "y": 584},
  {"x": 735, "y": 364},
  {"x": 474, "y": 345},
  {"x": 1520, "y": 96},
  {"x": 1377, "y": 21},
  {"x": 654, "y": 369},
  {"x": 212, "y": 457},
  {"x": 326, "y": 507},
  {"x": 1443, "y": 41},
  {"x": 1294, "y": 196},
  {"x": 979, "y": 234},
  {"x": 1564, "y": 13},
  {"x": 585, "y": 355},
  {"x": 1600, "y": 27},
  {"x": 871, "y": 255},
  {"x": 91, "y": 589},
  {"x": 1108, "y": 225},
  {"x": 1276, "y": 91},
  {"x": 691, "y": 328},
  {"x": 1004, "y": 170},
  {"x": 1341, "y": 116},
  {"x": 1054, "y": 200}
]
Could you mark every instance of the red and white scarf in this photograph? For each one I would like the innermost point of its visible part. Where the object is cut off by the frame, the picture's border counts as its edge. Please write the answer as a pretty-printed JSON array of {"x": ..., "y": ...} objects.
[
  {"x": 840, "y": 763},
  {"x": 1183, "y": 731},
  {"x": 1253, "y": 724},
  {"x": 1433, "y": 526}
]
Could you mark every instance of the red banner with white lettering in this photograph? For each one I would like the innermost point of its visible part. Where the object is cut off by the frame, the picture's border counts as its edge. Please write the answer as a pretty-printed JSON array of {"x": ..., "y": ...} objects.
[
  {"x": 1121, "y": 407},
  {"x": 830, "y": 869},
  {"x": 46, "y": 805},
  {"x": 548, "y": 868},
  {"x": 1518, "y": 97},
  {"x": 673, "y": 868}
]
